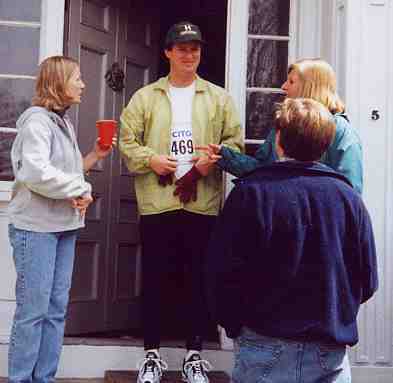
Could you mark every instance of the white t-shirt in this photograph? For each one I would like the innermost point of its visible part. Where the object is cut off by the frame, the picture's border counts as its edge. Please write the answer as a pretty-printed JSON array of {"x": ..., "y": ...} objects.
[{"x": 182, "y": 144}]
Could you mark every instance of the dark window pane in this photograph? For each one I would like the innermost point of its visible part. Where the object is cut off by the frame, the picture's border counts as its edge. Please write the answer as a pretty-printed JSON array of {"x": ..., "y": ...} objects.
[
  {"x": 269, "y": 17},
  {"x": 267, "y": 63},
  {"x": 20, "y": 10},
  {"x": 15, "y": 97},
  {"x": 7, "y": 136},
  {"x": 259, "y": 114},
  {"x": 19, "y": 50}
]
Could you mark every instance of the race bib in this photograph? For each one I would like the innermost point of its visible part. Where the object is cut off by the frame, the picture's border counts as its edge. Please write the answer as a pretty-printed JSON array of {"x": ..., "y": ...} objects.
[
  {"x": 182, "y": 148},
  {"x": 182, "y": 145}
]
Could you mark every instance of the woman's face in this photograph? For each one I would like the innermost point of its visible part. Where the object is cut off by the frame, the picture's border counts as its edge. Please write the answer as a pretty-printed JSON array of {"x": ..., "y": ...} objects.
[
  {"x": 292, "y": 86},
  {"x": 75, "y": 87}
]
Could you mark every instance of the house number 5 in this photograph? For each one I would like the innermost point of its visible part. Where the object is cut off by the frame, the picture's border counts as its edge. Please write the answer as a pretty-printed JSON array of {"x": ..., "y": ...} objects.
[{"x": 375, "y": 115}]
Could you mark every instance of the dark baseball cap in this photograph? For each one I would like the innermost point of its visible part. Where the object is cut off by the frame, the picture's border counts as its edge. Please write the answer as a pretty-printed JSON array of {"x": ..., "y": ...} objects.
[{"x": 183, "y": 32}]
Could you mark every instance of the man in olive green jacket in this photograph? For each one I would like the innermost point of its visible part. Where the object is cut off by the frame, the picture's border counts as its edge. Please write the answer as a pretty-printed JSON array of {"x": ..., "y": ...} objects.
[{"x": 178, "y": 192}]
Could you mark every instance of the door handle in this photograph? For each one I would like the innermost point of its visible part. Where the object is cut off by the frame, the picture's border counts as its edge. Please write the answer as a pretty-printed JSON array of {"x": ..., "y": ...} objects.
[{"x": 115, "y": 77}]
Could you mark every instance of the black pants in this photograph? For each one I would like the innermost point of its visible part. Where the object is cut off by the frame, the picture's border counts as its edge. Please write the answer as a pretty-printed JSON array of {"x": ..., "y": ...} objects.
[{"x": 174, "y": 245}]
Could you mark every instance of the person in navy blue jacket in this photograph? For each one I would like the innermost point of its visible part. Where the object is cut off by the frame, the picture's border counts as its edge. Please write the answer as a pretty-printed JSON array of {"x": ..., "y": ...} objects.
[{"x": 292, "y": 259}]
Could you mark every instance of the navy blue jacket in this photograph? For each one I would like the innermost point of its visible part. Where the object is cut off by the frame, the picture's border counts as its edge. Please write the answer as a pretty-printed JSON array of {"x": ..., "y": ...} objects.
[{"x": 293, "y": 255}]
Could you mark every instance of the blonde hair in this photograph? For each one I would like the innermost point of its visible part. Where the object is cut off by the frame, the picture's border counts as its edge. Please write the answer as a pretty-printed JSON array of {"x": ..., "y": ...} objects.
[
  {"x": 52, "y": 80},
  {"x": 306, "y": 128},
  {"x": 318, "y": 81}
]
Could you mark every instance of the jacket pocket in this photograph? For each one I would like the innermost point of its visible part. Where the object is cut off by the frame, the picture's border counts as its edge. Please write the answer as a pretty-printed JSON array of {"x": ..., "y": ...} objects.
[{"x": 21, "y": 201}]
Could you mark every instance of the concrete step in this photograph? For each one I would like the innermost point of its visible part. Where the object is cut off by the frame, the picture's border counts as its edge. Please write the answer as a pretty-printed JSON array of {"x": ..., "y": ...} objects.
[
  {"x": 66, "y": 380},
  {"x": 92, "y": 361},
  {"x": 168, "y": 377}
]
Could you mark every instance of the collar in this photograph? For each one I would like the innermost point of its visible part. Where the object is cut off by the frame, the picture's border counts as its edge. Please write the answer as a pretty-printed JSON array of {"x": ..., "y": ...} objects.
[
  {"x": 163, "y": 84},
  {"x": 304, "y": 167},
  {"x": 61, "y": 112}
]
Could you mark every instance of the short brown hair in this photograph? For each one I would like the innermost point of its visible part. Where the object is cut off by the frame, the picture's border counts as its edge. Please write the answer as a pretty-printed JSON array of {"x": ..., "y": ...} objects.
[
  {"x": 51, "y": 84},
  {"x": 318, "y": 81},
  {"x": 306, "y": 128}
]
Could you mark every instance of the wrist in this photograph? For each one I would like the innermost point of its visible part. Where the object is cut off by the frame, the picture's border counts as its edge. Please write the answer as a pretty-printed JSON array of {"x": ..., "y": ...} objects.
[
  {"x": 150, "y": 163},
  {"x": 95, "y": 156}
]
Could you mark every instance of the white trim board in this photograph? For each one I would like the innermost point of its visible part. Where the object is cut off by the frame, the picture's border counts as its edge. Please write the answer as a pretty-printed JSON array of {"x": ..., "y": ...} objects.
[
  {"x": 236, "y": 60},
  {"x": 52, "y": 28}
]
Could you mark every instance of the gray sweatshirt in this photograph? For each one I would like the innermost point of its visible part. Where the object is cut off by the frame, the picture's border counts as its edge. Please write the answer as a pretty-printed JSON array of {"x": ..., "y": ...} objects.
[{"x": 48, "y": 169}]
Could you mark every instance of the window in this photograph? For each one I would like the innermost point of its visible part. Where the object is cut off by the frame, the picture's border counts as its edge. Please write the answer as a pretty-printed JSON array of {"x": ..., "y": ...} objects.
[
  {"x": 267, "y": 63},
  {"x": 19, "y": 50}
]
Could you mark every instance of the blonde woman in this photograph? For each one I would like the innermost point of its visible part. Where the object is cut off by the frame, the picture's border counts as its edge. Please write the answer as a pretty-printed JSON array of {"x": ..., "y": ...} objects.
[
  {"x": 315, "y": 79},
  {"x": 48, "y": 205}
]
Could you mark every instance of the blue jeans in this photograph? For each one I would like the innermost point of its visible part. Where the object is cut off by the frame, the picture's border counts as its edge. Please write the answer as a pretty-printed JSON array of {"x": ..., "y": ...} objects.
[
  {"x": 261, "y": 359},
  {"x": 44, "y": 263}
]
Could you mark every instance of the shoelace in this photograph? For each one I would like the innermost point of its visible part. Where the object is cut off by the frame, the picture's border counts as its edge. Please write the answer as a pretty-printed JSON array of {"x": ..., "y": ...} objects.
[
  {"x": 156, "y": 362},
  {"x": 197, "y": 366}
]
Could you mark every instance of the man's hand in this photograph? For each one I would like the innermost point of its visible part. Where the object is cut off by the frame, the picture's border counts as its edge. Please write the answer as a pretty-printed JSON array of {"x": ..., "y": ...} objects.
[
  {"x": 162, "y": 164},
  {"x": 186, "y": 186},
  {"x": 81, "y": 203},
  {"x": 203, "y": 164}
]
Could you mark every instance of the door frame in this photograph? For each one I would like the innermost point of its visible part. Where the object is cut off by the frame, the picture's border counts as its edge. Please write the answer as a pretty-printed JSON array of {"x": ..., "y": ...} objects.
[
  {"x": 52, "y": 28},
  {"x": 236, "y": 54},
  {"x": 52, "y": 42}
]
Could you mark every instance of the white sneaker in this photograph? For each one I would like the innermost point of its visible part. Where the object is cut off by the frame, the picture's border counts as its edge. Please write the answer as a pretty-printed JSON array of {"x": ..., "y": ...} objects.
[
  {"x": 151, "y": 368},
  {"x": 195, "y": 369}
]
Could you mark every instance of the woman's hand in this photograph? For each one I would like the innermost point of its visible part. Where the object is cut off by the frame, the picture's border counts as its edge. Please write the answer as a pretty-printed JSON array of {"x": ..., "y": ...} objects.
[
  {"x": 212, "y": 151},
  {"x": 81, "y": 204},
  {"x": 97, "y": 154},
  {"x": 103, "y": 152}
]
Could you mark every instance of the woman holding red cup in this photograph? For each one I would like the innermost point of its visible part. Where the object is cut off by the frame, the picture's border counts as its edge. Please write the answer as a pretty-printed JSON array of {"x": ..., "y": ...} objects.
[{"x": 48, "y": 205}]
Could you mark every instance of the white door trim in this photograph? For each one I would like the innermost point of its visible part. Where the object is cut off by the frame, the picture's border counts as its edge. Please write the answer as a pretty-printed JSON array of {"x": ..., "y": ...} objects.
[
  {"x": 52, "y": 28},
  {"x": 237, "y": 47},
  {"x": 236, "y": 53}
]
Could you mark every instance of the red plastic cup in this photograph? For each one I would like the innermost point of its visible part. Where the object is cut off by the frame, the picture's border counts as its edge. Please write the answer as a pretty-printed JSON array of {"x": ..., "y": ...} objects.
[{"x": 106, "y": 130}]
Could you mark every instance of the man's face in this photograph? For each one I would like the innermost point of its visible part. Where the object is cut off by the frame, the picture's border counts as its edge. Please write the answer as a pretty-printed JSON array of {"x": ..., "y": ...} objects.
[{"x": 184, "y": 57}]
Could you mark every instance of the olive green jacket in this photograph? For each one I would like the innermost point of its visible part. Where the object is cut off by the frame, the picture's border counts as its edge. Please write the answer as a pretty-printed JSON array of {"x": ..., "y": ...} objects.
[{"x": 145, "y": 131}]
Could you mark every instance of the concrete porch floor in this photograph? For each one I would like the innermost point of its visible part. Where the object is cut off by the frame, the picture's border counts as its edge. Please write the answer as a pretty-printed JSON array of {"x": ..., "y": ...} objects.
[
  {"x": 65, "y": 380},
  {"x": 90, "y": 358},
  {"x": 86, "y": 360}
]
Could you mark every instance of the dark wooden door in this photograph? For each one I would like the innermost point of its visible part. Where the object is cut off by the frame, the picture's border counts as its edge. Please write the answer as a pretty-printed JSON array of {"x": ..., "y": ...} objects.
[
  {"x": 138, "y": 56},
  {"x": 106, "y": 281}
]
